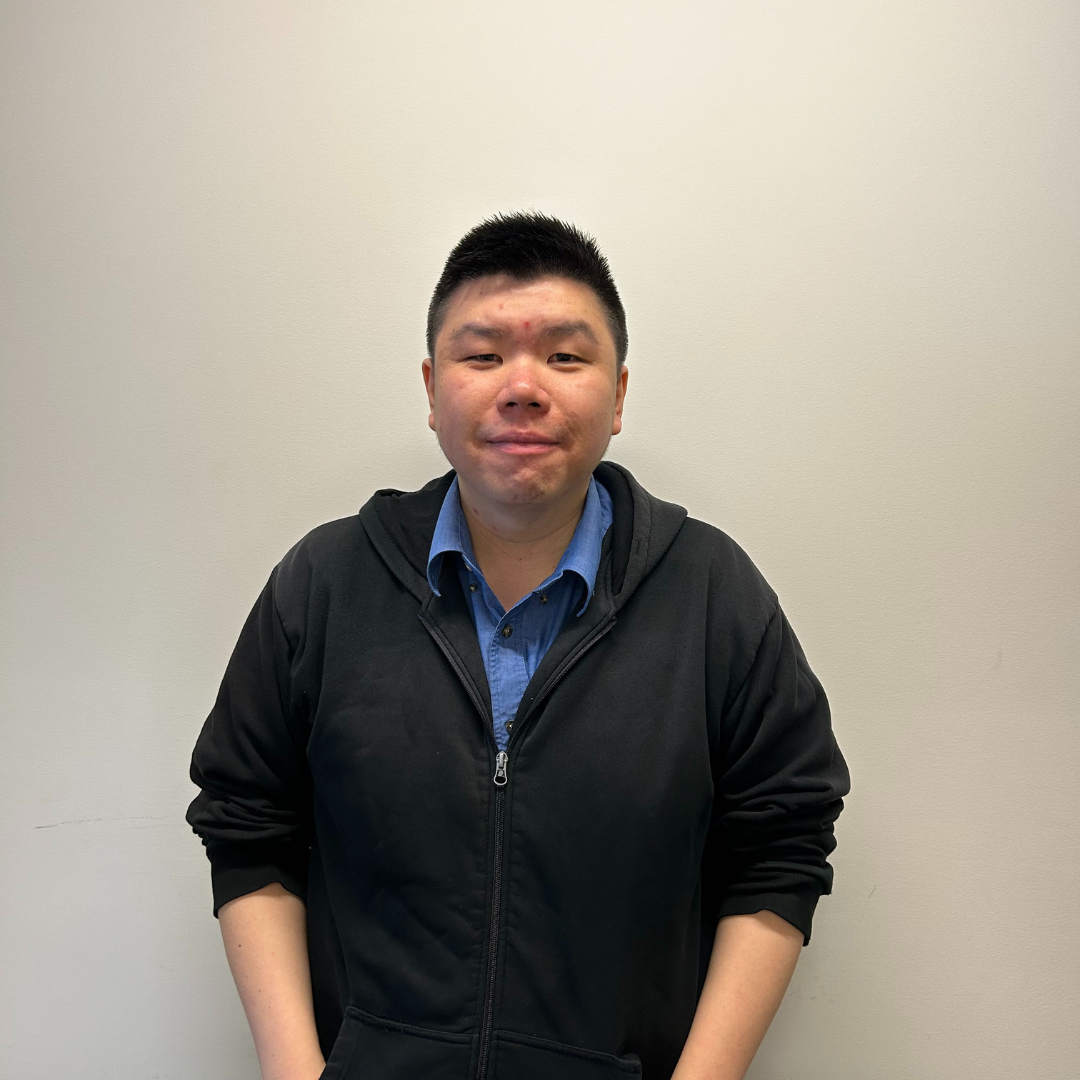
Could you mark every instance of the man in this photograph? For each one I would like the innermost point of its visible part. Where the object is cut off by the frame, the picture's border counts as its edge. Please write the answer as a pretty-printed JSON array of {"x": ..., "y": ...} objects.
[{"x": 522, "y": 775}]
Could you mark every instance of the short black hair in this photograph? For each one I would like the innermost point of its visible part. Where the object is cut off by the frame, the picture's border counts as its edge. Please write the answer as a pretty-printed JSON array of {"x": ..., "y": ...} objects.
[{"x": 527, "y": 246}]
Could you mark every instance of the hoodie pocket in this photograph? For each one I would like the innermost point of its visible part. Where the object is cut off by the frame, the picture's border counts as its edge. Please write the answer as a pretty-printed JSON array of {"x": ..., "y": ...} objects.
[
  {"x": 371, "y": 1048},
  {"x": 522, "y": 1057}
]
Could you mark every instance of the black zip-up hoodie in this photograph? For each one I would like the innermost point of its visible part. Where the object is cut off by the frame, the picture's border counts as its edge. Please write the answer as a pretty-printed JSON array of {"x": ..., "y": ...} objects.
[{"x": 547, "y": 915}]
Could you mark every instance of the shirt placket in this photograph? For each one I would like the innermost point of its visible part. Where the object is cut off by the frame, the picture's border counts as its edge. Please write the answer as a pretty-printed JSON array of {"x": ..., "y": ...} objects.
[{"x": 507, "y": 644}]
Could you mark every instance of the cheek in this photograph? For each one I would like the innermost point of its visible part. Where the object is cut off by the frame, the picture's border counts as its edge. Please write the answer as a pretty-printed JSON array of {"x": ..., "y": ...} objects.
[
  {"x": 456, "y": 414},
  {"x": 591, "y": 414}
]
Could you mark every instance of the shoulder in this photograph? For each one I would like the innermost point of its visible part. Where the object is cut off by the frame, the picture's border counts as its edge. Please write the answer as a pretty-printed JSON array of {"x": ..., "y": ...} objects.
[
  {"x": 739, "y": 603},
  {"x": 321, "y": 556},
  {"x": 324, "y": 545},
  {"x": 729, "y": 566}
]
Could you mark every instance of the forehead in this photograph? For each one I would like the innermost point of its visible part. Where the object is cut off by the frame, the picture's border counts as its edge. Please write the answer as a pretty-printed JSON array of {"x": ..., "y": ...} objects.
[{"x": 504, "y": 300}]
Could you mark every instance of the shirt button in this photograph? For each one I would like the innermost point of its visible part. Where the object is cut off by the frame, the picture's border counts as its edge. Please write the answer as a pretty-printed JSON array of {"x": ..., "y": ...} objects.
[
  {"x": 507, "y": 631},
  {"x": 473, "y": 586},
  {"x": 543, "y": 598},
  {"x": 509, "y": 725}
]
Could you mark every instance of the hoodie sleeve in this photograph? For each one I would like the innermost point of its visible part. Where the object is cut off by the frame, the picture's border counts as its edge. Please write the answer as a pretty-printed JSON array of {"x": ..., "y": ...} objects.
[
  {"x": 780, "y": 782},
  {"x": 253, "y": 812}
]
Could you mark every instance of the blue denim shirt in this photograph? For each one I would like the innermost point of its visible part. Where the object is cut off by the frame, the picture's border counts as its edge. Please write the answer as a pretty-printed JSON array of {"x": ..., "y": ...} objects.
[{"x": 514, "y": 642}]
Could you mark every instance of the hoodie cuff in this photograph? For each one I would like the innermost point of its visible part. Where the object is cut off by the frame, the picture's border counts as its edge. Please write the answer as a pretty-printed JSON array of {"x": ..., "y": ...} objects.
[
  {"x": 796, "y": 908},
  {"x": 241, "y": 867}
]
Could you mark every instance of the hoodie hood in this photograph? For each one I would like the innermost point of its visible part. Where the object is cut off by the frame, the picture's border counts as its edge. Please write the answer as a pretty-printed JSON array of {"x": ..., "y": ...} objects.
[{"x": 400, "y": 525}]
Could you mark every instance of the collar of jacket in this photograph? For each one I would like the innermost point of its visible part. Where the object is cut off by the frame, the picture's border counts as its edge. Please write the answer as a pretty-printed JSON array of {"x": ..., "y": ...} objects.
[{"x": 400, "y": 526}]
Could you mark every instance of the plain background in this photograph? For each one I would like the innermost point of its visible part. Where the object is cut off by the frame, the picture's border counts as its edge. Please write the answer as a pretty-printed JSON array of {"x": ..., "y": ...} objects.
[{"x": 848, "y": 238}]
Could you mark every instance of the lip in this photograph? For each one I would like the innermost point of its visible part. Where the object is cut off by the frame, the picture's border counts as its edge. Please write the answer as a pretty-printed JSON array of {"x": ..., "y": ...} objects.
[{"x": 522, "y": 443}]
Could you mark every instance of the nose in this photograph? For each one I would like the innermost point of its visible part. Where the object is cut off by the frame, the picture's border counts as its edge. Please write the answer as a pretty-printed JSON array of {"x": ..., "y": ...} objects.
[{"x": 522, "y": 392}]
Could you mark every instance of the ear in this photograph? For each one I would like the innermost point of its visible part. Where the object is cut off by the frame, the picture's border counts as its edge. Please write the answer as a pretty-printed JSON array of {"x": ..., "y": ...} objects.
[
  {"x": 428, "y": 369},
  {"x": 620, "y": 397}
]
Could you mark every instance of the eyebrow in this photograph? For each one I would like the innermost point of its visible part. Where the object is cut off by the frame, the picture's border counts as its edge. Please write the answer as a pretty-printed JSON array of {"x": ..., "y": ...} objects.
[
  {"x": 472, "y": 329},
  {"x": 556, "y": 330},
  {"x": 569, "y": 329}
]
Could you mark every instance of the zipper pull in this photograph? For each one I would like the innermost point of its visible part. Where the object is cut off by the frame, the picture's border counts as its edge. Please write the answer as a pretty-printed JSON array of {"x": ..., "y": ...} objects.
[{"x": 500, "y": 768}]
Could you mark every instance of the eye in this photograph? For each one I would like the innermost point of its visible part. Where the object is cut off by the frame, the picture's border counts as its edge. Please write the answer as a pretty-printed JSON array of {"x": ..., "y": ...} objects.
[
  {"x": 566, "y": 358},
  {"x": 484, "y": 358}
]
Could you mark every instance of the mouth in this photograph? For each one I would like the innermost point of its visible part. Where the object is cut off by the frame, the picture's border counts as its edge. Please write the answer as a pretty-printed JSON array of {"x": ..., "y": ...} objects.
[{"x": 523, "y": 442}]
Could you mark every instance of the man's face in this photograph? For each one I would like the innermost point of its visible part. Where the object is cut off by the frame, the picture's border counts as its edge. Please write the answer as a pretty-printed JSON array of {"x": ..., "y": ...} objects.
[{"x": 524, "y": 394}]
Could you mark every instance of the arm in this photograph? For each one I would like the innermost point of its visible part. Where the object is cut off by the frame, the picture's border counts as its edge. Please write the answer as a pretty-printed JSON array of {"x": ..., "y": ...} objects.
[
  {"x": 265, "y": 940},
  {"x": 780, "y": 779},
  {"x": 253, "y": 814},
  {"x": 753, "y": 957}
]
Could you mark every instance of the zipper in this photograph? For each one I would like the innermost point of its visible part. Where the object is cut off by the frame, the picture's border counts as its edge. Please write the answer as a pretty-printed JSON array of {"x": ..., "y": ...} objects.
[
  {"x": 557, "y": 678},
  {"x": 500, "y": 780},
  {"x": 462, "y": 674}
]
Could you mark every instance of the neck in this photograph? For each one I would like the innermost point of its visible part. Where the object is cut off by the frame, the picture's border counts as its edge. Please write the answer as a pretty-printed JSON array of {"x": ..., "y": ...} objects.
[{"x": 517, "y": 547}]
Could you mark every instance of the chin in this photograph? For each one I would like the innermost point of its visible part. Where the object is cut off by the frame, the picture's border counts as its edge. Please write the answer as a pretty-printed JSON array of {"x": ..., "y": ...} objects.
[
  {"x": 524, "y": 483},
  {"x": 520, "y": 489}
]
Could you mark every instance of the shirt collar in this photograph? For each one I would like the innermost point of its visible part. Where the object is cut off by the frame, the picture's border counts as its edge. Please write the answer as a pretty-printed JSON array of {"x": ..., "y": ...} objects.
[
  {"x": 582, "y": 554},
  {"x": 451, "y": 534}
]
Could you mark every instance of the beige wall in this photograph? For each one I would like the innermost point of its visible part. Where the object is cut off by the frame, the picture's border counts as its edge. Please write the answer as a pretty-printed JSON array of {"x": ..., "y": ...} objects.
[{"x": 848, "y": 237}]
